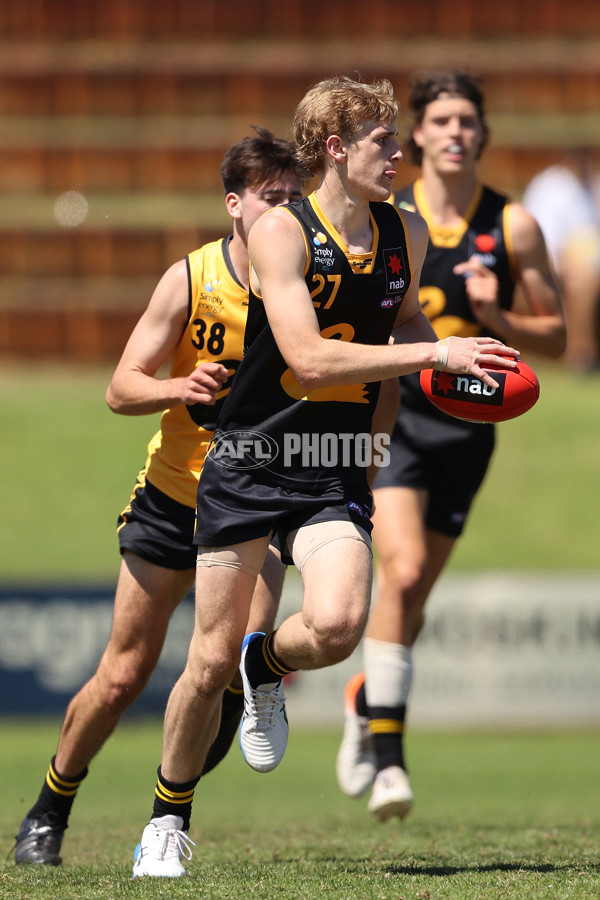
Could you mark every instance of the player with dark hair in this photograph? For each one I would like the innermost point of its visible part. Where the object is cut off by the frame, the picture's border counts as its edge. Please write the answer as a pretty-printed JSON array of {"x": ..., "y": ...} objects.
[
  {"x": 196, "y": 317},
  {"x": 332, "y": 276},
  {"x": 486, "y": 272}
]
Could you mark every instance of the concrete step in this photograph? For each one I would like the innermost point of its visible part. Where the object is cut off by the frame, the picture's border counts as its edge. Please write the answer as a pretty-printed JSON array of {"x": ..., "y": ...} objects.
[
  {"x": 55, "y": 252},
  {"x": 169, "y": 211},
  {"x": 139, "y": 20},
  {"x": 83, "y": 319},
  {"x": 269, "y": 77},
  {"x": 139, "y": 182}
]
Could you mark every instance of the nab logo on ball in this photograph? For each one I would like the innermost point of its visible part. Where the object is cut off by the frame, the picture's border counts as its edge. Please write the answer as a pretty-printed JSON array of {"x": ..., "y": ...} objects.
[
  {"x": 468, "y": 387},
  {"x": 467, "y": 397}
]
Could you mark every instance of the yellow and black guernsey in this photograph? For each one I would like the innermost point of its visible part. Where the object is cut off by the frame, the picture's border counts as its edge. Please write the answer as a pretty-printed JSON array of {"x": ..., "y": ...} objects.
[
  {"x": 356, "y": 299},
  {"x": 218, "y": 307},
  {"x": 483, "y": 232}
]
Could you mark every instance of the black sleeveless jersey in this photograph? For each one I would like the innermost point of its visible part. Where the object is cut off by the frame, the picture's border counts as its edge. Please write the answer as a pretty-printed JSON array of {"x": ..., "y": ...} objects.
[
  {"x": 356, "y": 299},
  {"x": 484, "y": 233}
]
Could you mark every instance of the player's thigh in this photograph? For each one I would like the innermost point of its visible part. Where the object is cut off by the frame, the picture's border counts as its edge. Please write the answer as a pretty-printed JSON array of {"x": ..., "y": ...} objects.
[
  {"x": 225, "y": 582},
  {"x": 267, "y": 593},
  {"x": 399, "y": 534},
  {"x": 145, "y": 600},
  {"x": 337, "y": 579},
  {"x": 409, "y": 555}
]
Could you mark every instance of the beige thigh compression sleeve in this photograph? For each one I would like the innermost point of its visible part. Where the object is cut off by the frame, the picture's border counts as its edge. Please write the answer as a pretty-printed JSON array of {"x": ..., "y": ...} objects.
[
  {"x": 246, "y": 557},
  {"x": 304, "y": 541}
]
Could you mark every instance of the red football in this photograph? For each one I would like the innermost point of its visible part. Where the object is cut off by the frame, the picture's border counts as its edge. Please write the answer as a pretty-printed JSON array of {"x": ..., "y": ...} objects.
[{"x": 467, "y": 397}]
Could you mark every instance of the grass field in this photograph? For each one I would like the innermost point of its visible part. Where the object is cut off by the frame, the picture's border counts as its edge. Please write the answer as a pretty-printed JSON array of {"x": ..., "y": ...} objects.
[
  {"x": 508, "y": 816},
  {"x": 68, "y": 466}
]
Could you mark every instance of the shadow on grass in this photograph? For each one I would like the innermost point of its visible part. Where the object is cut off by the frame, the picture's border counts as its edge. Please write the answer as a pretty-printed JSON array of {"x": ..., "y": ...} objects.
[{"x": 444, "y": 871}]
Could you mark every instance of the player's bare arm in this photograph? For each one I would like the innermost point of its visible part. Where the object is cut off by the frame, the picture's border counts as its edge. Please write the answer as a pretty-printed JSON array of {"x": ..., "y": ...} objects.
[
  {"x": 536, "y": 322},
  {"x": 134, "y": 390},
  {"x": 317, "y": 362}
]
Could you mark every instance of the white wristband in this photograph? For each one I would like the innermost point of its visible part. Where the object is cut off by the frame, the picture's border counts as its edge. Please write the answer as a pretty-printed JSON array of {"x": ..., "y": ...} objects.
[{"x": 441, "y": 354}]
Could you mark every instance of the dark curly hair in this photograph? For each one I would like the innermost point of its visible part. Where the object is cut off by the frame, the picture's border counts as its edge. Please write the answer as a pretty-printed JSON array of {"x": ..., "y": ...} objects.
[{"x": 253, "y": 161}]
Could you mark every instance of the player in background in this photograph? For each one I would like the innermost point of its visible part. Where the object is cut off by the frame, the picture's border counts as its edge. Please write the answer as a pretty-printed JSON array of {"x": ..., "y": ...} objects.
[
  {"x": 332, "y": 275},
  {"x": 196, "y": 317},
  {"x": 486, "y": 272},
  {"x": 565, "y": 200}
]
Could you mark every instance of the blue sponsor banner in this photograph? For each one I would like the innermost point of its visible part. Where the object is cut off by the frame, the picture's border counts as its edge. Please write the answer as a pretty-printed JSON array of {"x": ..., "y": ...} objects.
[{"x": 51, "y": 639}]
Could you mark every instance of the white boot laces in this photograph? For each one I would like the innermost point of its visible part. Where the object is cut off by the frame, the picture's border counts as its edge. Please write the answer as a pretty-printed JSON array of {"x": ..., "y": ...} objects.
[{"x": 174, "y": 843}]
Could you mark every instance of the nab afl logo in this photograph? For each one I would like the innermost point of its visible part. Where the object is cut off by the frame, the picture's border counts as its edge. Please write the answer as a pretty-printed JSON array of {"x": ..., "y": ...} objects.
[
  {"x": 244, "y": 450},
  {"x": 395, "y": 270}
]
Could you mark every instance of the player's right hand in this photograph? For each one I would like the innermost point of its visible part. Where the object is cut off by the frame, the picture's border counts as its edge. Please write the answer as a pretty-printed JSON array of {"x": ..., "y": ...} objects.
[{"x": 470, "y": 355}]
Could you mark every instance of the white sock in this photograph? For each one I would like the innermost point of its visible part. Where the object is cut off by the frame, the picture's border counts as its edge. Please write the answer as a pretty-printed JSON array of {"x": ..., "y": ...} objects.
[{"x": 388, "y": 673}]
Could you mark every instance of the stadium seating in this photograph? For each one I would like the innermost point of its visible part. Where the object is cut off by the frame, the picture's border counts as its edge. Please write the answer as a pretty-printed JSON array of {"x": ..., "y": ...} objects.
[{"x": 133, "y": 102}]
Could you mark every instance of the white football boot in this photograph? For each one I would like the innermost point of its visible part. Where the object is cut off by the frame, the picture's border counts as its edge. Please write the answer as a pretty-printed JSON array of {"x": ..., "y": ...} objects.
[
  {"x": 392, "y": 794},
  {"x": 159, "y": 852},
  {"x": 264, "y": 726},
  {"x": 355, "y": 764}
]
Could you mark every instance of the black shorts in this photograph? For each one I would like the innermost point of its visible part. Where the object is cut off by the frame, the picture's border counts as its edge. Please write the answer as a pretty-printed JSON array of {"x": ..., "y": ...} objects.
[
  {"x": 158, "y": 529},
  {"x": 449, "y": 463},
  {"x": 234, "y": 507}
]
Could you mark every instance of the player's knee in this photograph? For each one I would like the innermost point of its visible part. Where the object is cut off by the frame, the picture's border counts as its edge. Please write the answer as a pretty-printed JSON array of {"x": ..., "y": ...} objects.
[
  {"x": 336, "y": 640},
  {"x": 122, "y": 686},
  {"x": 406, "y": 579},
  {"x": 210, "y": 676}
]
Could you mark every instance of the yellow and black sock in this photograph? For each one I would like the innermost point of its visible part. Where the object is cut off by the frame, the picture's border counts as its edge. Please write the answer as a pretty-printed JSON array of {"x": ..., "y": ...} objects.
[
  {"x": 56, "y": 796},
  {"x": 386, "y": 724},
  {"x": 172, "y": 799},
  {"x": 263, "y": 666}
]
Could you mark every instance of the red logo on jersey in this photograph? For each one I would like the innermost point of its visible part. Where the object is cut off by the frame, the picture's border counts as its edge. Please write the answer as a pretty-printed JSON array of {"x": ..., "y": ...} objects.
[
  {"x": 395, "y": 264},
  {"x": 485, "y": 243}
]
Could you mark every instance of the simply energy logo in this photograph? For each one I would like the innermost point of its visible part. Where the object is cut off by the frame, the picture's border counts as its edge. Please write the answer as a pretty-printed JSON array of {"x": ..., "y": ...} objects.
[{"x": 322, "y": 253}]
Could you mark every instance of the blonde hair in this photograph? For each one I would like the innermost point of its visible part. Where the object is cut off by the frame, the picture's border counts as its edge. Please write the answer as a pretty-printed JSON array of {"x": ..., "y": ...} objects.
[{"x": 339, "y": 106}]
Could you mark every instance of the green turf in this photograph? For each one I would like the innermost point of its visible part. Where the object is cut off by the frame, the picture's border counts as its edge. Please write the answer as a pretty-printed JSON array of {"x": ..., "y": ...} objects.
[
  {"x": 68, "y": 465},
  {"x": 534, "y": 509},
  {"x": 508, "y": 816}
]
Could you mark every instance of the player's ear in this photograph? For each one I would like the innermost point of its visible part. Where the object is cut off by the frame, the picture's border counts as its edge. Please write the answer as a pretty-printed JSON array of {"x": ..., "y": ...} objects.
[
  {"x": 417, "y": 136},
  {"x": 233, "y": 203},
  {"x": 336, "y": 148}
]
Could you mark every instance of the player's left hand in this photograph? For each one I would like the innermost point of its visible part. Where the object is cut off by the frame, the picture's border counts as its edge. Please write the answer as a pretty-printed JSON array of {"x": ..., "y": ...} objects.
[{"x": 481, "y": 285}]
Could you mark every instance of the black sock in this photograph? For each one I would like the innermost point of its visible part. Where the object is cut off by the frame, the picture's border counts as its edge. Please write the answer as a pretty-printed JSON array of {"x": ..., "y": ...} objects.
[
  {"x": 233, "y": 700},
  {"x": 262, "y": 664},
  {"x": 172, "y": 799},
  {"x": 386, "y": 724},
  {"x": 56, "y": 796}
]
